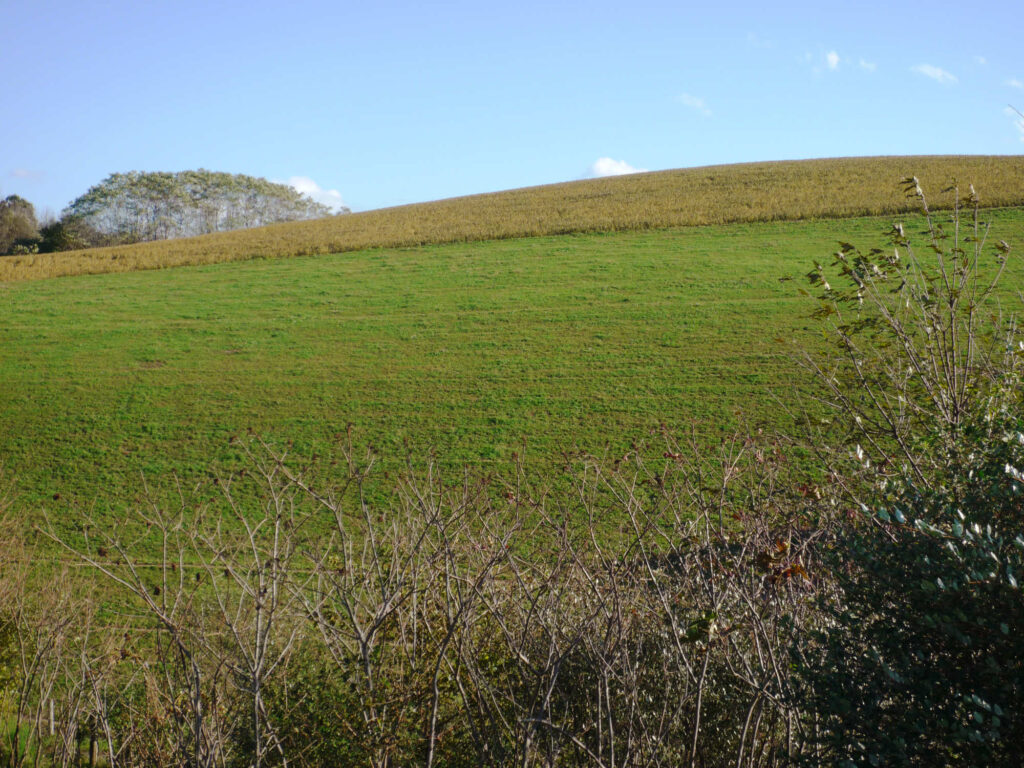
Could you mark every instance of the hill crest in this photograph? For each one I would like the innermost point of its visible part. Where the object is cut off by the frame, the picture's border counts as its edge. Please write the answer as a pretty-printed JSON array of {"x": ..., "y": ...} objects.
[{"x": 706, "y": 195}]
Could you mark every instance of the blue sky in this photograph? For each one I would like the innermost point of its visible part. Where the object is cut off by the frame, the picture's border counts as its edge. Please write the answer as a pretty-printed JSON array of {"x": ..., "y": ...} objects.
[{"x": 386, "y": 103}]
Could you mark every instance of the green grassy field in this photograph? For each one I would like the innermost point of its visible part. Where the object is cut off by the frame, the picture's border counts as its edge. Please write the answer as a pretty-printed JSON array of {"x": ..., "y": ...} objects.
[{"x": 466, "y": 349}]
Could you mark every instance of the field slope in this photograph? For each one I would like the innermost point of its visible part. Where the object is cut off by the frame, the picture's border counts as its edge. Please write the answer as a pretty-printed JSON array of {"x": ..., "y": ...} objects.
[
  {"x": 789, "y": 191},
  {"x": 467, "y": 349}
]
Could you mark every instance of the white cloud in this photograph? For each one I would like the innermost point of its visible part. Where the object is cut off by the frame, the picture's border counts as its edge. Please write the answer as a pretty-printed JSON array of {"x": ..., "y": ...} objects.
[
  {"x": 1013, "y": 82},
  {"x": 937, "y": 74},
  {"x": 1018, "y": 120},
  {"x": 867, "y": 65},
  {"x": 605, "y": 166},
  {"x": 832, "y": 59},
  {"x": 695, "y": 103},
  {"x": 981, "y": 60},
  {"x": 329, "y": 197}
]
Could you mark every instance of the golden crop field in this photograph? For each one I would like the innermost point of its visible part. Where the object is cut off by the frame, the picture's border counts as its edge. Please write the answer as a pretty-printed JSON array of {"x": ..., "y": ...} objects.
[{"x": 788, "y": 190}]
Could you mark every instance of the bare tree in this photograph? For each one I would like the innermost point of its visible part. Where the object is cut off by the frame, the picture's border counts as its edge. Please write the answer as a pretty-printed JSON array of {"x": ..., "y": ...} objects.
[{"x": 183, "y": 687}]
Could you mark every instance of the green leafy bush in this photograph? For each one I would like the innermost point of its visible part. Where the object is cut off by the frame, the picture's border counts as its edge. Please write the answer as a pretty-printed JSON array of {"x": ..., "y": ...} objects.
[
  {"x": 921, "y": 660},
  {"x": 919, "y": 657}
]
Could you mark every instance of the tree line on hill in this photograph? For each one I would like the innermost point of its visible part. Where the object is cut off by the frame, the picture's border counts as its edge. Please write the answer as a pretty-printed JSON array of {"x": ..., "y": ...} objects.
[{"x": 138, "y": 206}]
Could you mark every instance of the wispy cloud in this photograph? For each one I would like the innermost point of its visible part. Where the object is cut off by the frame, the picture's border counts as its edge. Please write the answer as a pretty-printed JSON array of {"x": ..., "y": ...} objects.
[
  {"x": 1013, "y": 82},
  {"x": 27, "y": 174},
  {"x": 605, "y": 166},
  {"x": 758, "y": 42},
  {"x": 981, "y": 60},
  {"x": 695, "y": 103},
  {"x": 1018, "y": 120},
  {"x": 869, "y": 66},
  {"x": 329, "y": 197},
  {"x": 832, "y": 60},
  {"x": 937, "y": 74}
]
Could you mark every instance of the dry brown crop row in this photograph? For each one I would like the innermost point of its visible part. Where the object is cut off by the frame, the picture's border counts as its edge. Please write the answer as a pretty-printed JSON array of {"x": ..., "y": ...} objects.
[{"x": 789, "y": 190}]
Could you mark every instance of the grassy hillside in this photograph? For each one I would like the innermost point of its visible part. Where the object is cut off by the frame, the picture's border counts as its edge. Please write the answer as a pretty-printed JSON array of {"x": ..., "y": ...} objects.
[
  {"x": 694, "y": 196},
  {"x": 464, "y": 348}
]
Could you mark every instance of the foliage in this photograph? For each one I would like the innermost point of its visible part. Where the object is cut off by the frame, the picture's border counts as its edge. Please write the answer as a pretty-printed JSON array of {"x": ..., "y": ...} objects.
[
  {"x": 918, "y": 660},
  {"x": 923, "y": 660},
  {"x": 18, "y": 228},
  {"x": 923, "y": 344},
  {"x": 754, "y": 192},
  {"x": 60, "y": 236},
  {"x": 316, "y": 713},
  {"x": 134, "y": 207}
]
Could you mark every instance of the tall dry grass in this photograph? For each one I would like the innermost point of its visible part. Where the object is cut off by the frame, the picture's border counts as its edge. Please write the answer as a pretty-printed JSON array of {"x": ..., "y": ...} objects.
[{"x": 790, "y": 190}]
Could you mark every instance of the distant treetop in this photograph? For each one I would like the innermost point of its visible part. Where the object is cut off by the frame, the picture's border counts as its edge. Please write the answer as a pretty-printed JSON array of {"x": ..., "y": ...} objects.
[
  {"x": 17, "y": 223},
  {"x": 137, "y": 206}
]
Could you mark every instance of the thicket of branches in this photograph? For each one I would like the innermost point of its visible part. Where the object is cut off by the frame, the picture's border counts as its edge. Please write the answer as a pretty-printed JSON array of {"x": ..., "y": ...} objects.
[
  {"x": 713, "y": 608},
  {"x": 457, "y": 626}
]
